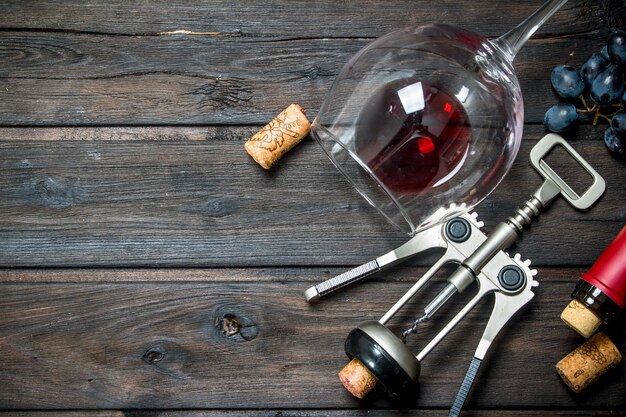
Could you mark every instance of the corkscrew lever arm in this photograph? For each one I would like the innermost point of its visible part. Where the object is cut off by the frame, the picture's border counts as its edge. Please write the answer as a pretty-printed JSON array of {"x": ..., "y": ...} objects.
[
  {"x": 428, "y": 239},
  {"x": 505, "y": 307}
]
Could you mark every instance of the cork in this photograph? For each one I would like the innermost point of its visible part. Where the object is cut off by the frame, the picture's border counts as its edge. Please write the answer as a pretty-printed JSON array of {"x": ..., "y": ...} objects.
[
  {"x": 287, "y": 129},
  {"x": 587, "y": 363},
  {"x": 357, "y": 378},
  {"x": 580, "y": 318}
]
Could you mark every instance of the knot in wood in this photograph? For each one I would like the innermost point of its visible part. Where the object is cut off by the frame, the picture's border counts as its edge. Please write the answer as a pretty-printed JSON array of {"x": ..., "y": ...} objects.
[
  {"x": 218, "y": 207},
  {"x": 235, "y": 326},
  {"x": 230, "y": 325},
  {"x": 154, "y": 354},
  {"x": 53, "y": 192}
]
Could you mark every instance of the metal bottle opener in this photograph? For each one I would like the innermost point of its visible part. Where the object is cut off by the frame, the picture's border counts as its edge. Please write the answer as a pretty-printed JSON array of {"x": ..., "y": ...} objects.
[{"x": 480, "y": 258}]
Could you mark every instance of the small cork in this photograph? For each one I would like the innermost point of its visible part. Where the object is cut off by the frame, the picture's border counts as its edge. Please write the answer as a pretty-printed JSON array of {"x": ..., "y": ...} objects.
[
  {"x": 287, "y": 129},
  {"x": 588, "y": 362},
  {"x": 357, "y": 378},
  {"x": 580, "y": 318}
]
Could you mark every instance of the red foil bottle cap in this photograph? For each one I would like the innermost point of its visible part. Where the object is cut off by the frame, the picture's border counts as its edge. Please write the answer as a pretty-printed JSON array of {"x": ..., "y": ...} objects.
[{"x": 608, "y": 273}]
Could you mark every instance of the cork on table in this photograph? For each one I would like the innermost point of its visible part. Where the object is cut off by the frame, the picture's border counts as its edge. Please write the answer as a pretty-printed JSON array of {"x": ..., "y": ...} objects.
[{"x": 147, "y": 263}]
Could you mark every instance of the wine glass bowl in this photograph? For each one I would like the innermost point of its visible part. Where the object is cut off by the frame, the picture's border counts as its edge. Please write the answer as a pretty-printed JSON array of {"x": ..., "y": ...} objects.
[{"x": 421, "y": 118}]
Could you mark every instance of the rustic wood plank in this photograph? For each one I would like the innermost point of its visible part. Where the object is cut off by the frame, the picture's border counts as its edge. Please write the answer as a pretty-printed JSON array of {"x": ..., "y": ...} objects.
[
  {"x": 307, "y": 276},
  {"x": 313, "y": 413},
  {"x": 57, "y": 78},
  {"x": 161, "y": 345},
  {"x": 206, "y": 203},
  {"x": 364, "y": 18},
  {"x": 85, "y": 79},
  {"x": 127, "y": 133}
]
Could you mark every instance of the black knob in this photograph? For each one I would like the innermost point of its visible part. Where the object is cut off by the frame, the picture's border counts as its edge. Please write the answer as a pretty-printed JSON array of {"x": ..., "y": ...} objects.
[
  {"x": 511, "y": 277},
  {"x": 458, "y": 230}
]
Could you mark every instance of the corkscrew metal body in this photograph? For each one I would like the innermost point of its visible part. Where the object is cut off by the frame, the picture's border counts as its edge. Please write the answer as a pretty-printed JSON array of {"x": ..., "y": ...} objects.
[{"x": 480, "y": 258}]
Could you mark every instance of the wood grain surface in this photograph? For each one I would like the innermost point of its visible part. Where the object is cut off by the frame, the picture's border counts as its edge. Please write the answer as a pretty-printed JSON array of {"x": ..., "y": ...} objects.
[
  {"x": 149, "y": 268},
  {"x": 85, "y": 63},
  {"x": 312, "y": 413},
  {"x": 172, "y": 344},
  {"x": 172, "y": 201}
]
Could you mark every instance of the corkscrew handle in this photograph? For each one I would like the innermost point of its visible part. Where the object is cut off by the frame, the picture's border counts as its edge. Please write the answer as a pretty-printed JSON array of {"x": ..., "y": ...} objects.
[{"x": 554, "y": 184}]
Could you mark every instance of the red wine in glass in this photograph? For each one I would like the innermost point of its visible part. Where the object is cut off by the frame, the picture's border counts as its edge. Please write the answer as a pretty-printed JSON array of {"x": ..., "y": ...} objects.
[{"x": 413, "y": 136}]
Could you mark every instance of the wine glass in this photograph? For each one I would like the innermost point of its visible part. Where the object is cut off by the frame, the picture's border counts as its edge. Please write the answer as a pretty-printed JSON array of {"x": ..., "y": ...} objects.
[{"x": 427, "y": 118}]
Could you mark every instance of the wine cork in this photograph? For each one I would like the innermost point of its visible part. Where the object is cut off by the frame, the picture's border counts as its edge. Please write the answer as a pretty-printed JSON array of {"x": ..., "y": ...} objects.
[
  {"x": 287, "y": 129},
  {"x": 587, "y": 363},
  {"x": 357, "y": 378},
  {"x": 580, "y": 318}
]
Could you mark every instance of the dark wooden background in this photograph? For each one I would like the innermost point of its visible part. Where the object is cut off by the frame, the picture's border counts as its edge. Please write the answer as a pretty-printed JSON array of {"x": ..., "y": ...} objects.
[{"x": 134, "y": 228}]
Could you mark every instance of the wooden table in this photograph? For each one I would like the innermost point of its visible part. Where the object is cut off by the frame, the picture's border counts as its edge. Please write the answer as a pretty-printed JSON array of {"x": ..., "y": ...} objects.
[{"x": 148, "y": 263}]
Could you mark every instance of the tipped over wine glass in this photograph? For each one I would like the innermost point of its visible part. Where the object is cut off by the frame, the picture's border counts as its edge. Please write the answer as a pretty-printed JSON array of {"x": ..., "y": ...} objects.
[{"x": 428, "y": 116}]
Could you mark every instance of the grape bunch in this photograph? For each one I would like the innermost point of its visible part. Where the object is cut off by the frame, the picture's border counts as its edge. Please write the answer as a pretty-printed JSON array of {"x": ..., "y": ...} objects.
[{"x": 602, "y": 79}]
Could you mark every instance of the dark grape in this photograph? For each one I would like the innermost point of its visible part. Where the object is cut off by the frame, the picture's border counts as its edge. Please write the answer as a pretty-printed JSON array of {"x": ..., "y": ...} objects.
[
  {"x": 567, "y": 82},
  {"x": 605, "y": 53},
  {"x": 608, "y": 86},
  {"x": 614, "y": 143},
  {"x": 592, "y": 67},
  {"x": 560, "y": 117},
  {"x": 618, "y": 123},
  {"x": 616, "y": 47}
]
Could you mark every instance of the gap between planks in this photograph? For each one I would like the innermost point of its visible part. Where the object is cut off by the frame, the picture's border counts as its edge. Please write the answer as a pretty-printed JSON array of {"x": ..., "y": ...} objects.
[
  {"x": 306, "y": 275},
  {"x": 121, "y": 133},
  {"x": 186, "y": 133},
  {"x": 311, "y": 413}
]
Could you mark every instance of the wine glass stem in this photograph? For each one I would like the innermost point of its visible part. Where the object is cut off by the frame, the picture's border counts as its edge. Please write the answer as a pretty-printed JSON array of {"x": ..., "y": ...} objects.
[{"x": 512, "y": 41}]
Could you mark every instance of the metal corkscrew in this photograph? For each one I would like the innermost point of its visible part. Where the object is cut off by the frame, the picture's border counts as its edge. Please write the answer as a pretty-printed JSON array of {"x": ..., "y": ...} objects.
[{"x": 480, "y": 258}]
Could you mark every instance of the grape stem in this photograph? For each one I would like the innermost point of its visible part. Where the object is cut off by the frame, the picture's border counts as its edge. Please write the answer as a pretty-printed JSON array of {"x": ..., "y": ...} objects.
[
  {"x": 596, "y": 109},
  {"x": 607, "y": 117},
  {"x": 585, "y": 105}
]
